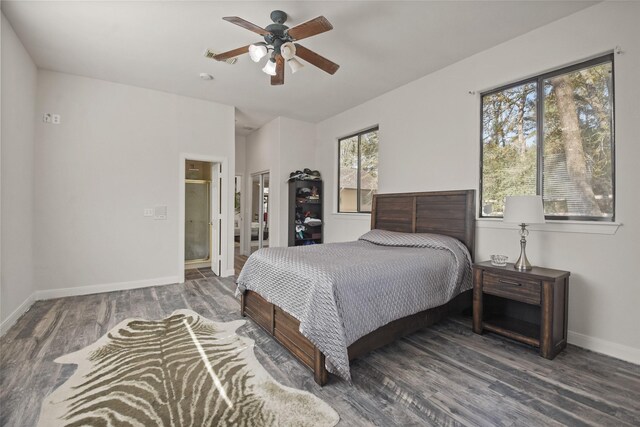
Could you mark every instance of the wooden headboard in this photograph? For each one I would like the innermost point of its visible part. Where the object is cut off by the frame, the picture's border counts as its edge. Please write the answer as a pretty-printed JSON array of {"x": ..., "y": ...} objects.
[{"x": 451, "y": 213}]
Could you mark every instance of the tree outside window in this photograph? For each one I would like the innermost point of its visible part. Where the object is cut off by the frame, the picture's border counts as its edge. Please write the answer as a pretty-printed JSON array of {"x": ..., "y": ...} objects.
[
  {"x": 552, "y": 135},
  {"x": 358, "y": 171}
]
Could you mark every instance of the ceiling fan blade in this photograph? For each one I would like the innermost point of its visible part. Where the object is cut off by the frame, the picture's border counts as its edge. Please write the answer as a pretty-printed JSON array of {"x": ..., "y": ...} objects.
[
  {"x": 310, "y": 28},
  {"x": 246, "y": 24},
  {"x": 231, "y": 53},
  {"x": 278, "y": 79},
  {"x": 313, "y": 58}
]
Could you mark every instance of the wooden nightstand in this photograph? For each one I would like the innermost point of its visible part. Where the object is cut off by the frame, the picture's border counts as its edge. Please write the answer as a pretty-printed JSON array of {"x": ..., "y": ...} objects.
[{"x": 527, "y": 306}]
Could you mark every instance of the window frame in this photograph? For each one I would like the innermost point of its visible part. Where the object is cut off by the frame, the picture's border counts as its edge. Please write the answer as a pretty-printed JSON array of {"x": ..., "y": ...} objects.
[
  {"x": 539, "y": 79},
  {"x": 359, "y": 134}
]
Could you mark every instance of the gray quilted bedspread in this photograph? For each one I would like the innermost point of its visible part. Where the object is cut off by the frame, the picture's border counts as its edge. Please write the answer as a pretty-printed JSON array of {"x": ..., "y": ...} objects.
[{"x": 342, "y": 291}]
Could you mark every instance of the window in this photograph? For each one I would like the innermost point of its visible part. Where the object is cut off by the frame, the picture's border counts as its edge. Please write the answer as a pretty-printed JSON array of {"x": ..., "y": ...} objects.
[
  {"x": 357, "y": 171},
  {"x": 552, "y": 135}
]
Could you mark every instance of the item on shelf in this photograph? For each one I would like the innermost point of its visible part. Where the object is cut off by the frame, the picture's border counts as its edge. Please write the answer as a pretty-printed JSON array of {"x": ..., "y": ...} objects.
[
  {"x": 300, "y": 229},
  {"x": 312, "y": 222},
  {"x": 499, "y": 260},
  {"x": 305, "y": 209},
  {"x": 304, "y": 175},
  {"x": 314, "y": 193}
]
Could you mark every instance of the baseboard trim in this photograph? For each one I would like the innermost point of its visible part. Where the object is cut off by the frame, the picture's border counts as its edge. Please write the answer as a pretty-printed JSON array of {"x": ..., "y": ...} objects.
[
  {"x": 107, "y": 287},
  {"x": 13, "y": 317},
  {"x": 229, "y": 273},
  {"x": 608, "y": 348},
  {"x": 191, "y": 265}
]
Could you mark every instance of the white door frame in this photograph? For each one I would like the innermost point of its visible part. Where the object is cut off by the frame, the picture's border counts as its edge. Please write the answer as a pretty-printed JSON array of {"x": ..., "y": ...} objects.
[
  {"x": 245, "y": 247},
  {"x": 261, "y": 212},
  {"x": 215, "y": 219},
  {"x": 243, "y": 234},
  {"x": 223, "y": 191}
]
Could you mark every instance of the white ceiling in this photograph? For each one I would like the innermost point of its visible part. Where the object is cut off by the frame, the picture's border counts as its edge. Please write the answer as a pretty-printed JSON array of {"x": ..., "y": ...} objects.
[{"x": 380, "y": 45}]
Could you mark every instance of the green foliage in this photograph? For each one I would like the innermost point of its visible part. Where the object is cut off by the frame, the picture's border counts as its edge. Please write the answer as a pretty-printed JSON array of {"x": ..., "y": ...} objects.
[
  {"x": 363, "y": 150},
  {"x": 509, "y": 144},
  {"x": 593, "y": 104},
  {"x": 507, "y": 172},
  {"x": 368, "y": 153}
]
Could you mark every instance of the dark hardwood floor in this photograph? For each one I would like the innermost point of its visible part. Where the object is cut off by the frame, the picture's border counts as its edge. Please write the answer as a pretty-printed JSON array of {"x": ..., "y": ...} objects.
[
  {"x": 198, "y": 273},
  {"x": 444, "y": 375},
  {"x": 238, "y": 262}
]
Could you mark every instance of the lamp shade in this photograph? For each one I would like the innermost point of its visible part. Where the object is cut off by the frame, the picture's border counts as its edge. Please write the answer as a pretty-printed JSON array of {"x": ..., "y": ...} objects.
[
  {"x": 523, "y": 210},
  {"x": 288, "y": 50},
  {"x": 257, "y": 52},
  {"x": 270, "y": 67},
  {"x": 294, "y": 64}
]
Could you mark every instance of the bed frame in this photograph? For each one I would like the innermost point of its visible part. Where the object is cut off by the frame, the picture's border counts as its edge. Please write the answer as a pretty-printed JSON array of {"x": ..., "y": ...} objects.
[{"x": 451, "y": 213}]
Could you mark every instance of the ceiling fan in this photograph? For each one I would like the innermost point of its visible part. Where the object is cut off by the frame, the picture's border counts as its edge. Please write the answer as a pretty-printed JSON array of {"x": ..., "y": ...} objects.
[{"x": 281, "y": 40}]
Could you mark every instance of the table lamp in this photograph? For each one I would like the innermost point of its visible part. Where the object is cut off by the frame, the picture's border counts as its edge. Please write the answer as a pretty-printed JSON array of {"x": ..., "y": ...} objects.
[{"x": 523, "y": 210}]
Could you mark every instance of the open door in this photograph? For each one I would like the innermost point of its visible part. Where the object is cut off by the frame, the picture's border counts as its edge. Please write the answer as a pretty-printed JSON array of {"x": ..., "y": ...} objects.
[
  {"x": 203, "y": 217},
  {"x": 259, "y": 211},
  {"x": 216, "y": 218}
]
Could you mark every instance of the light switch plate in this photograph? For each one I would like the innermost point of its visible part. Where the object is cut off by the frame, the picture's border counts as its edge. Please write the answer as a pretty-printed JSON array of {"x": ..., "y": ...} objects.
[
  {"x": 148, "y": 212},
  {"x": 160, "y": 212}
]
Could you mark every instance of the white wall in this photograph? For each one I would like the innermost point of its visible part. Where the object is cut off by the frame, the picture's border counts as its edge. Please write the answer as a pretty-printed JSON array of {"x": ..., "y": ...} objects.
[
  {"x": 241, "y": 150},
  {"x": 241, "y": 160},
  {"x": 297, "y": 151},
  {"x": 347, "y": 226},
  {"x": 262, "y": 155},
  {"x": 280, "y": 147},
  {"x": 116, "y": 152},
  {"x": 19, "y": 82},
  {"x": 429, "y": 140}
]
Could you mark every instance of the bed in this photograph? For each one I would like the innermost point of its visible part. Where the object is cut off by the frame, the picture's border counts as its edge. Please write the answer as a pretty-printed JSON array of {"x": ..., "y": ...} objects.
[{"x": 347, "y": 309}]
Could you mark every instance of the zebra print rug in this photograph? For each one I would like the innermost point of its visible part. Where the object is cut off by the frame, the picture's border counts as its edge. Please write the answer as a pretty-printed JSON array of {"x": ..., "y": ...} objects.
[{"x": 184, "y": 370}]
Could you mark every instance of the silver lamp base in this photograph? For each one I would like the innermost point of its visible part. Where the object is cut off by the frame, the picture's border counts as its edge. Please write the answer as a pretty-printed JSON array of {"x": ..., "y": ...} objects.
[{"x": 522, "y": 264}]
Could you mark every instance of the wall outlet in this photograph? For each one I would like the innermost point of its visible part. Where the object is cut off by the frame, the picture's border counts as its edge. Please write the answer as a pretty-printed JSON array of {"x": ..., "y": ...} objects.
[
  {"x": 148, "y": 212},
  {"x": 55, "y": 119},
  {"x": 46, "y": 117}
]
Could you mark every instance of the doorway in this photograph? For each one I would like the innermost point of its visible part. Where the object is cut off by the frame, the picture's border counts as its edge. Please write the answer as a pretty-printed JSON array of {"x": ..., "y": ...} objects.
[
  {"x": 197, "y": 228},
  {"x": 202, "y": 226},
  {"x": 259, "y": 211}
]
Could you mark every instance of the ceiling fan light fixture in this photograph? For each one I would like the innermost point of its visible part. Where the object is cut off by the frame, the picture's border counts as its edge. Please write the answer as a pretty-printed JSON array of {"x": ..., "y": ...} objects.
[
  {"x": 288, "y": 50},
  {"x": 280, "y": 45},
  {"x": 295, "y": 65},
  {"x": 257, "y": 51},
  {"x": 270, "y": 67}
]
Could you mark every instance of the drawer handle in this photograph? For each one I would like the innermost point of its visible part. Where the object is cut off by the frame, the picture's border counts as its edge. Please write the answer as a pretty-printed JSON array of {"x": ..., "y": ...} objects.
[{"x": 506, "y": 282}]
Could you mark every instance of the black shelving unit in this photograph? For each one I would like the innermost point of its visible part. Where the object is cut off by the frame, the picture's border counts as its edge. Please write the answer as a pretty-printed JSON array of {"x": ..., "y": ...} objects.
[{"x": 305, "y": 201}]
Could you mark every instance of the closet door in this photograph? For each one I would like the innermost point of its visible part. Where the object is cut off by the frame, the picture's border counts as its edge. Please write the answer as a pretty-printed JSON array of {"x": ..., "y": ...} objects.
[
  {"x": 259, "y": 211},
  {"x": 265, "y": 211}
]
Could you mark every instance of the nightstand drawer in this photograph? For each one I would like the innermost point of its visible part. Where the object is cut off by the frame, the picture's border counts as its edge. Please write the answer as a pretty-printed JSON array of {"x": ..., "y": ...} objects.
[{"x": 511, "y": 287}]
